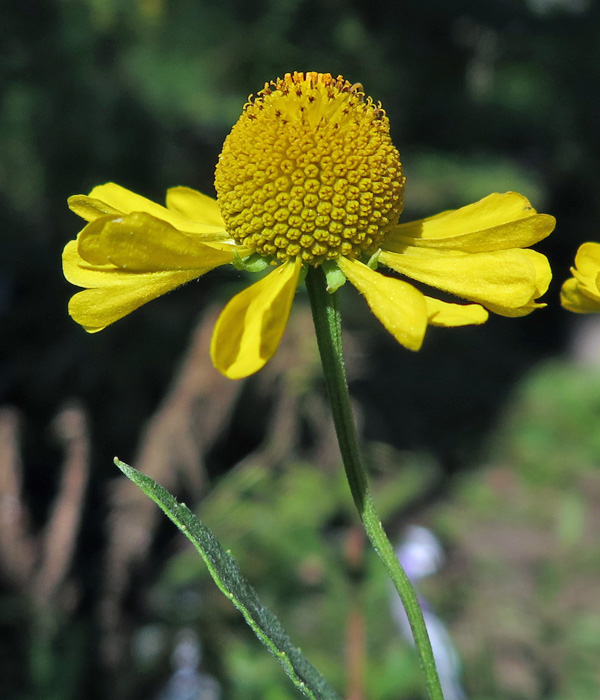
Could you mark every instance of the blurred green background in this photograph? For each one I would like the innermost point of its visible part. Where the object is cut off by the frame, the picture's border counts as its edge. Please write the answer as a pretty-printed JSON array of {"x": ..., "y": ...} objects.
[{"x": 489, "y": 436}]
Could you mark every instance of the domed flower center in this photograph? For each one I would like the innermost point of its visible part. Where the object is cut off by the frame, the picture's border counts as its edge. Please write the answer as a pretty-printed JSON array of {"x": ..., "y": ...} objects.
[{"x": 309, "y": 171}]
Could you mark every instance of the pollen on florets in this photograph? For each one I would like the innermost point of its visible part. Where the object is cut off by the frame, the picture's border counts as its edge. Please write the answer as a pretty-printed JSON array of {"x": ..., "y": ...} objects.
[{"x": 309, "y": 171}]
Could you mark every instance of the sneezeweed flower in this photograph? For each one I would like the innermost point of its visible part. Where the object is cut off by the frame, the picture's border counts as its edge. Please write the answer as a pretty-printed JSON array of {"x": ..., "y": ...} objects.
[
  {"x": 581, "y": 293},
  {"x": 308, "y": 176}
]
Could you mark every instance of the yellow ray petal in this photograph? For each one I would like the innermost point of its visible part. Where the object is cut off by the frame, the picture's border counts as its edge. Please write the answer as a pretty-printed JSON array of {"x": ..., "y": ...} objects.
[
  {"x": 194, "y": 205},
  {"x": 89, "y": 208},
  {"x": 398, "y": 305},
  {"x": 517, "y": 312},
  {"x": 139, "y": 242},
  {"x": 113, "y": 199},
  {"x": 96, "y": 308},
  {"x": 587, "y": 261},
  {"x": 89, "y": 242},
  {"x": 573, "y": 298},
  {"x": 113, "y": 292},
  {"x": 250, "y": 327},
  {"x": 543, "y": 273},
  {"x": 79, "y": 272},
  {"x": 506, "y": 278},
  {"x": 587, "y": 284},
  {"x": 497, "y": 222},
  {"x": 442, "y": 313}
]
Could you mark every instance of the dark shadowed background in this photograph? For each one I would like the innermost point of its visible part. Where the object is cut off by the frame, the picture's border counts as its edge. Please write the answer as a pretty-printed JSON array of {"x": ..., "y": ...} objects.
[{"x": 490, "y": 435}]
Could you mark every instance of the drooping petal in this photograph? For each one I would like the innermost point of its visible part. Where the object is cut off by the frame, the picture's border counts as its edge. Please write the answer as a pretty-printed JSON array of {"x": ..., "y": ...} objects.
[
  {"x": 113, "y": 292},
  {"x": 506, "y": 279},
  {"x": 496, "y": 222},
  {"x": 112, "y": 199},
  {"x": 139, "y": 242},
  {"x": 398, "y": 305},
  {"x": 249, "y": 329},
  {"x": 194, "y": 205},
  {"x": 573, "y": 298},
  {"x": 443, "y": 313}
]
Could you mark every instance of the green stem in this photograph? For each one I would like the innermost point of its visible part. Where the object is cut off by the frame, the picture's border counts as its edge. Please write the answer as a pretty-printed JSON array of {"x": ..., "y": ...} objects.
[{"x": 328, "y": 328}]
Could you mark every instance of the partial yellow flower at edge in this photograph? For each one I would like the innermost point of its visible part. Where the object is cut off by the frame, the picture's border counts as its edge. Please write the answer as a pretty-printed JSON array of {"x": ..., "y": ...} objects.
[{"x": 581, "y": 293}]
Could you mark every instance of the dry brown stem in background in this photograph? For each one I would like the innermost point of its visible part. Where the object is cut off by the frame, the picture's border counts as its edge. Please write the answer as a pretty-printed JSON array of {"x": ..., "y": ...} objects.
[{"x": 39, "y": 563}]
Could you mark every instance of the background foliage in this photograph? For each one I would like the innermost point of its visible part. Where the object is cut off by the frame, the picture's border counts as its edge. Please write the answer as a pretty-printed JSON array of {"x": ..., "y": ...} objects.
[{"x": 489, "y": 435}]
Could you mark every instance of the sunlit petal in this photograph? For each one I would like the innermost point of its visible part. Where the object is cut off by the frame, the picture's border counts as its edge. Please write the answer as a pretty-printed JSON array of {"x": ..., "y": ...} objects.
[
  {"x": 250, "y": 327},
  {"x": 113, "y": 292},
  {"x": 117, "y": 296},
  {"x": 516, "y": 312},
  {"x": 398, "y": 305},
  {"x": 506, "y": 279},
  {"x": 194, "y": 205},
  {"x": 497, "y": 222},
  {"x": 78, "y": 271},
  {"x": 90, "y": 208},
  {"x": 139, "y": 242},
  {"x": 113, "y": 199},
  {"x": 443, "y": 313},
  {"x": 543, "y": 272}
]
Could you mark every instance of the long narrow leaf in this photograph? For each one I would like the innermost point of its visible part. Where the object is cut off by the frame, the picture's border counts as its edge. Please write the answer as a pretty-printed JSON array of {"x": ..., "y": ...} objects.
[{"x": 228, "y": 577}]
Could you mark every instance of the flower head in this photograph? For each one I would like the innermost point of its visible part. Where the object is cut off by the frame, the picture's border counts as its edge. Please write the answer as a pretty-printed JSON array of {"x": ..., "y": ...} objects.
[
  {"x": 581, "y": 293},
  {"x": 309, "y": 171},
  {"x": 308, "y": 176}
]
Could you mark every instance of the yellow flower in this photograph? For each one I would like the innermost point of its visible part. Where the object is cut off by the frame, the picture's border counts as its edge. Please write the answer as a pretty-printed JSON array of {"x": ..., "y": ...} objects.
[
  {"x": 308, "y": 176},
  {"x": 581, "y": 293}
]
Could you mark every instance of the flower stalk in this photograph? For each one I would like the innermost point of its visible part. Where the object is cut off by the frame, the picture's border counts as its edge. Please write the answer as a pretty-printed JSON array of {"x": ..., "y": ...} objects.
[{"x": 328, "y": 328}]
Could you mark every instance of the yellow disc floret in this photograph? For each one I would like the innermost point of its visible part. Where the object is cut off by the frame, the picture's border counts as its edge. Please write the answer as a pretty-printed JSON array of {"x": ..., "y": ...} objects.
[{"x": 309, "y": 171}]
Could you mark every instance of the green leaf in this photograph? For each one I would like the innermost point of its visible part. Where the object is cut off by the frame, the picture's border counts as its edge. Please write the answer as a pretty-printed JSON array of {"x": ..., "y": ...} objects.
[{"x": 228, "y": 577}]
